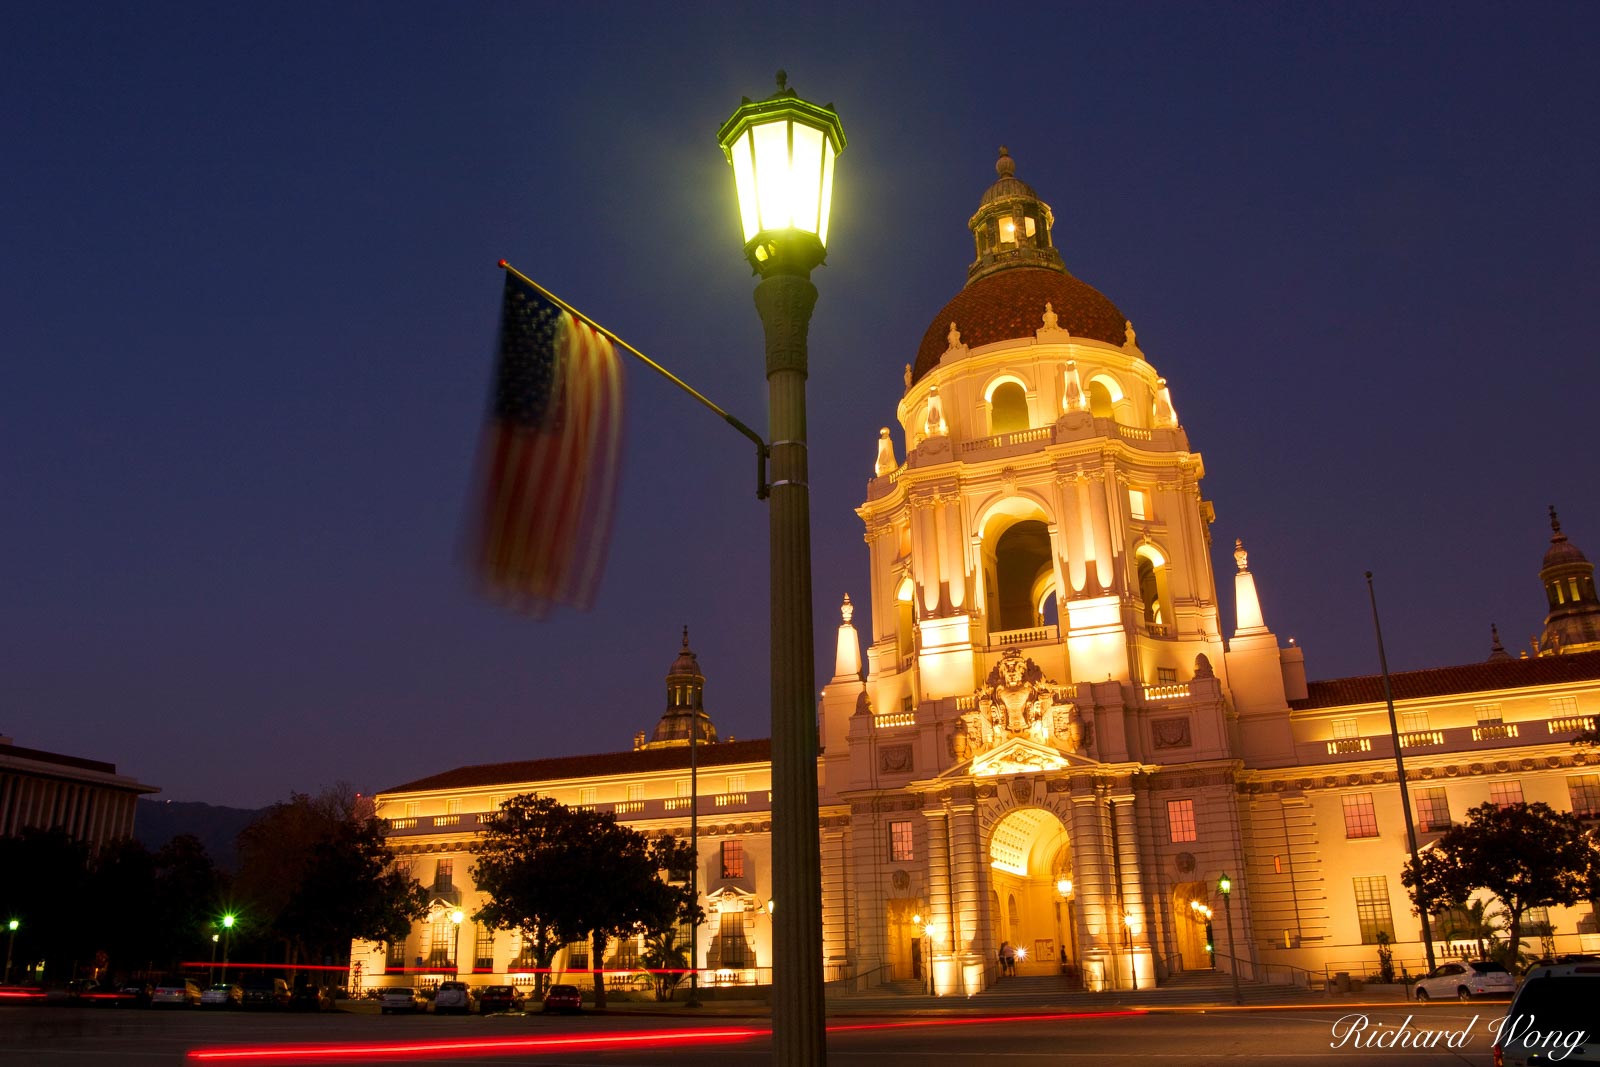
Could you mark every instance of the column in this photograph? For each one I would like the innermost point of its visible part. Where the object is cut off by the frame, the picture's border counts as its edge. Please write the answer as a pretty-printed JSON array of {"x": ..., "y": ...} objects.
[
  {"x": 871, "y": 915},
  {"x": 969, "y": 936},
  {"x": 1136, "y": 936},
  {"x": 835, "y": 932},
  {"x": 1090, "y": 884},
  {"x": 939, "y": 901}
]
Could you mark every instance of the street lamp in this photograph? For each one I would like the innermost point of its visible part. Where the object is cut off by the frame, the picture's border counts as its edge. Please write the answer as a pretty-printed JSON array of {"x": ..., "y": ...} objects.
[
  {"x": 455, "y": 952},
  {"x": 782, "y": 152},
  {"x": 1225, "y": 887},
  {"x": 11, "y": 939},
  {"x": 212, "y": 971},
  {"x": 1064, "y": 890},
  {"x": 1131, "y": 924},
  {"x": 227, "y": 939}
]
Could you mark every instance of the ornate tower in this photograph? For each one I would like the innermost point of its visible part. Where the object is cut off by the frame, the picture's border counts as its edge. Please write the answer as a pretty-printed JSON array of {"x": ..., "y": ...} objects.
[
  {"x": 685, "y": 703},
  {"x": 1049, "y": 500},
  {"x": 1573, "y": 624}
]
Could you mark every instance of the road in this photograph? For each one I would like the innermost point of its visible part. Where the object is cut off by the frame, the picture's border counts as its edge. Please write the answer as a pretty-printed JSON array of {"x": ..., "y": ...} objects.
[{"x": 1301, "y": 1037}]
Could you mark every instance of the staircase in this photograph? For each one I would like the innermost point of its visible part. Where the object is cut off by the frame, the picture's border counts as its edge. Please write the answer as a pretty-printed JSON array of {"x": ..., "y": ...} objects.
[{"x": 1052, "y": 992}]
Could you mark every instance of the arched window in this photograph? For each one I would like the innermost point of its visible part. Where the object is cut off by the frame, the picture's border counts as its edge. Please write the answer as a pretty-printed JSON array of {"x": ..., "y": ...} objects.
[
  {"x": 1100, "y": 400},
  {"x": 1022, "y": 568},
  {"x": 1008, "y": 408},
  {"x": 1154, "y": 593},
  {"x": 905, "y": 618}
]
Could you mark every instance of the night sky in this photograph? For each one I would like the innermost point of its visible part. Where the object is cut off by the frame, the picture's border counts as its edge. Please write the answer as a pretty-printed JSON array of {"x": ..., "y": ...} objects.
[{"x": 249, "y": 306}]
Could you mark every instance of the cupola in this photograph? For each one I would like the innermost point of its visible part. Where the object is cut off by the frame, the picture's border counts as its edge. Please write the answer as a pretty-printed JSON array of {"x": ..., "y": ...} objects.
[
  {"x": 1573, "y": 624},
  {"x": 685, "y": 703}
]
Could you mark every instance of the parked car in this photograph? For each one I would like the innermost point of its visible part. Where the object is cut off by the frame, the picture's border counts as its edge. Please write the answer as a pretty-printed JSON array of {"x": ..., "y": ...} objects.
[
  {"x": 176, "y": 991},
  {"x": 452, "y": 997},
  {"x": 563, "y": 998},
  {"x": 265, "y": 993},
  {"x": 223, "y": 995},
  {"x": 402, "y": 999},
  {"x": 1463, "y": 980},
  {"x": 311, "y": 998},
  {"x": 499, "y": 998},
  {"x": 134, "y": 994},
  {"x": 1552, "y": 1018}
]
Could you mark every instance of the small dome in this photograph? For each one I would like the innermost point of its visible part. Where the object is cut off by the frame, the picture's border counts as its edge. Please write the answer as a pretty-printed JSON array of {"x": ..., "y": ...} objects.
[
  {"x": 1007, "y": 185},
  {"x": 687, "y": 662},
  {"x": 1009, "y": 304},
  {"x": 1561, "y": 550}
]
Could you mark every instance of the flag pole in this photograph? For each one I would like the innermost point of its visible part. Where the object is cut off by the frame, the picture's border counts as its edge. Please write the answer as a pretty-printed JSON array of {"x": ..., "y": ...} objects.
[
  {"x": 755, "y": 438},
  {"x": 1400, "y": 774}
]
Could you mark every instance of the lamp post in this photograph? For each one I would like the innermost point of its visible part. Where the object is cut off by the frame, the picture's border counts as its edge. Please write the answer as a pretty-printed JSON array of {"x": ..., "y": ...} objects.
[
  {"x": 213, "y": 969},
  {"x": 11, "y": 940},
  {"x": 227, "y": 938},
  {"x": 455, "y": 952},
  {"x": 1064, "y": 888},
  {"x": 1225, "y": 887},
  {"x": 782, "y": 151},
  {"x": 1131, "y": 925},
  {"x": 927, "y": 951}
]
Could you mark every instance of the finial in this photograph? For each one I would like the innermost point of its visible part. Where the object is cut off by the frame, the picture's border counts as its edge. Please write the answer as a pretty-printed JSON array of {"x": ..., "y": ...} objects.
[
  {"x": 686, "y": 637},
  {"x": 1497, "y": 650},
  {"x": 954, "y": 336},
  {"x": 908, "y": 376},
  {"x": 1127, "y": 328},
  {"x": 847, "y": 610},
  {"x": 1005, "y": 166},
  {"x": 1555, "y": 523},
  {"x": 1051, "y": 319},
  {"x": 1240, "y": 556},
  {"x": 783, "y": 80}
]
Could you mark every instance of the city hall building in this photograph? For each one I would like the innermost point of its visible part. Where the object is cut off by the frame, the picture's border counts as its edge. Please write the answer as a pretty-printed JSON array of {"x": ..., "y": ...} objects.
[{"x": 1051, "y": 738}]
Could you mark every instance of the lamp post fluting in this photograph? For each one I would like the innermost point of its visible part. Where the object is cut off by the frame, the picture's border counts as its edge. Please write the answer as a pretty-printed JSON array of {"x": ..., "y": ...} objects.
[
  {"x": 1225, "y": 887},
  {"x": 782, "y": 151}
]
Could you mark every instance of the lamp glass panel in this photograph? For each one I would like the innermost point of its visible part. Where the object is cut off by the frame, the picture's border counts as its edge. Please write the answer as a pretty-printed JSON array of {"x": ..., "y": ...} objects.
[
  {"x": 744, "y": 181},
  {"x": 772, "y": 174},
  {"x": 827, "y": 192},
  {"x": 805, "y": 175}
]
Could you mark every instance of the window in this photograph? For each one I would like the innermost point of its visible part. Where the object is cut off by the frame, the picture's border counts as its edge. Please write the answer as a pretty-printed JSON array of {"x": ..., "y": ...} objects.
[
  {"x": 733, "y": 859},
  {"x": 578, "y": 956},
  {"x": 403, "y": 869},
  {"x": 1008, "y": 409},
  {"x": 483, "y": 948},
  {"x": 395, "y": 957},
  {"x": 1180, "y": 820},
  {"x": 1413, "y": 722},
  {"x": 735, "y": 783},
  {"x": 635, "y": 790},
  {"x": 444, "y": 875},
  {"x": 413, "y": 808},
  {"x": 452, "y": 806},
  {"x": 495, "y": 801},
  {"x": 1166, "y": 675},
  {"x": 1535, "y": 923},
  {"x": 587, "y": 794},
  {"x": 440, "y": 936},
  {"x": 1487, "y": 713},
  {"x": 626, "y": 956},
  {"x": 1505, "y": 794},
  {"x": 1585, "y": 791},
  {"x": 1343, "y": 728},
  {"x": 1138, "y": 504},
  {"x": 1562, "y": 706},
  {"x": 1360, "y": 820},
  {"x": 1372, "y": 909},
  {"x": 1433, "y": 810},
  {"x": 905, "y": 703},
  {"x": 900, "y": 847},
  {"x": 682, "y": 786},
  {"x": 732, "y": 949}
]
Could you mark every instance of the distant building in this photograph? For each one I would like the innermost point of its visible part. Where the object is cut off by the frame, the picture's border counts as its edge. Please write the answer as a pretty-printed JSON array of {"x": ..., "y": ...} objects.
[
  {"x": 1054, "y": 743},
  {"x": 47, "y": 790}
]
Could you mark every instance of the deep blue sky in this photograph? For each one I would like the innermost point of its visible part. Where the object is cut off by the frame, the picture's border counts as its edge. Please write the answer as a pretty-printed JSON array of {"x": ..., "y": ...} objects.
[{"x": 249, "y": 298}]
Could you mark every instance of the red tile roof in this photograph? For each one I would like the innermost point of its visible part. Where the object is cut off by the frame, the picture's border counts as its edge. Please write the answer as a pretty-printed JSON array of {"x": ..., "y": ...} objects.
[
  {"x": 639, "y": 761},
  {"x": 1010, "y": 303},
  {"x": 1444, "y": 681}
]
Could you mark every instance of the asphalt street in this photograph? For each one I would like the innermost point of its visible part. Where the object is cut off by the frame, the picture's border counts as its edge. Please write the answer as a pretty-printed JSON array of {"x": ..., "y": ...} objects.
[{"x": 1312, "y": 1036}]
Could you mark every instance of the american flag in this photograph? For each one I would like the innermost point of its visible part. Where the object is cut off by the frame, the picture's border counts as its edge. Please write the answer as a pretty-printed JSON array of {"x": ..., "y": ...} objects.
[{"x": 550, "y": 455}]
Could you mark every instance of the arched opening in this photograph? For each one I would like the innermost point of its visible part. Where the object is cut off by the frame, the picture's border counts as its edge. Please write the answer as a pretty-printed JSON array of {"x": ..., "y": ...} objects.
[
  {"x": 905, "y": 620},
  {"x": 1191, "y": 917},
  {"x": 1008, "y": 408},
  {"x": 1100, "y": 400},
  {"x": 1030, "y": 880},
  {"x": 1107, "y": 400},
  {"x": 1154, "y": 592},
  {"x": 1022, "y": 562}
]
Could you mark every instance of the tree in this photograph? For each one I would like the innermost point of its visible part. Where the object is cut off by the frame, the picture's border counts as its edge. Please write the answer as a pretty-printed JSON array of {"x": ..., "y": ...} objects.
[
  {"x": 666, "y": 960},
  {"x": 47, "y": 889},
  {"x": 558, "y": 874},
  {"x": 314, "y": 874},
  {"x": 1526, "y": 855}
]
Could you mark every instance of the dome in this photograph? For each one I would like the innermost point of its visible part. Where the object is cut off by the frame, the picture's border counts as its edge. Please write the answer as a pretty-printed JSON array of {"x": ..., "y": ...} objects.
[
  {"x": 1009, "y": 304},
  {"x": 1561, "y": 550}
]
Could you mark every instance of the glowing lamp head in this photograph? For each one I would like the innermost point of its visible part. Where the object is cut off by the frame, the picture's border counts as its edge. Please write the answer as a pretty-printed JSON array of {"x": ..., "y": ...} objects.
[
  {"x": 1064, "y": 887},
  {"x": 770, "y": 903},
  {"x": 916, "y": 920},
  {"x": 1224, "y": 885},
  {"x": 228, "y": 921},
  {"x": 782, "y": 151},
  {"x": 457, "y": 915},
  {"x": 215, "y": 938},
  {"x": 1022, "y": 953},
  {"x": 12, "y": 925}
]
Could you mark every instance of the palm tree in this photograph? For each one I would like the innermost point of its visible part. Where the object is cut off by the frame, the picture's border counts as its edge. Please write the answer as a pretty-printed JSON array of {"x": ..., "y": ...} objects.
[{"x": 666, "y": 960}]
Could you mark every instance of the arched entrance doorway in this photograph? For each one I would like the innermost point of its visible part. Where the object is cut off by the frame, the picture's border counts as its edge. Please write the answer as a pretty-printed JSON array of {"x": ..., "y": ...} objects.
[
  {"x": 1191, "y": 919},
  {"x": 1031, "y": 897}
]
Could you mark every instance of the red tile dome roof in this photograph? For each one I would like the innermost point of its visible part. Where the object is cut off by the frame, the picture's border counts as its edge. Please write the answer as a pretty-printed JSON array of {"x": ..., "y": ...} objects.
[{"x": 1009, "y": 304}]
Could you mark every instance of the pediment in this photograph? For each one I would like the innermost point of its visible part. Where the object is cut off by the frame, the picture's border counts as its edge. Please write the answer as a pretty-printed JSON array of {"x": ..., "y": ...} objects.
[{"x": 1021, "y": 755}]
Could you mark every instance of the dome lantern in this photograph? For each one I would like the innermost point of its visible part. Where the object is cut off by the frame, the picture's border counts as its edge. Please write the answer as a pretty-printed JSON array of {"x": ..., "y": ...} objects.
[{"x": 1012, "y": 225}]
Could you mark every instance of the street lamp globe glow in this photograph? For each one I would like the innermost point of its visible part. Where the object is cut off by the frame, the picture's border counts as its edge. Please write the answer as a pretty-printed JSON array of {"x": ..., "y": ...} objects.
[
  {"x": 1064, "y": 887},
  {"x": 916, "y": 920},
  {"x": 228, "y": 920},
  {"x": 782, "y": 151},
  {"x": 12, "y": 925},
  {"x": 457, "y": 915},
  {"x": 1224, "y": 885}
]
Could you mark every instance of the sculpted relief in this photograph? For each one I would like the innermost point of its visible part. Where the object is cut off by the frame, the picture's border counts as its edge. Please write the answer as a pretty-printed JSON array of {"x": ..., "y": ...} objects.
[{"x": 1017, "y": 700}]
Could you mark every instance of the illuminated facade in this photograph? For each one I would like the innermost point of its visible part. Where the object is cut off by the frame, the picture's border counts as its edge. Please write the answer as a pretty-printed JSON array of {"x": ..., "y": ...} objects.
[{"x": 1050, "y": 742}]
